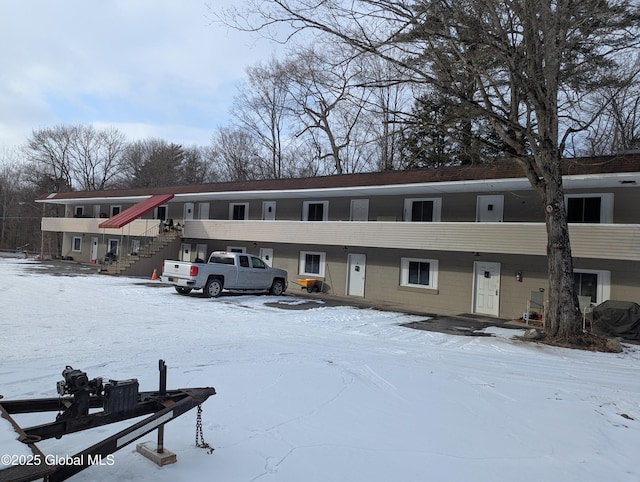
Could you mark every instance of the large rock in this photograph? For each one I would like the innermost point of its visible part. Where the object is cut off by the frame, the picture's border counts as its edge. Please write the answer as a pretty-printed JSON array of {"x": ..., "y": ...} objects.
[
  {"x": 613, "y": 345},
  {"x": 533, "y": 334}
]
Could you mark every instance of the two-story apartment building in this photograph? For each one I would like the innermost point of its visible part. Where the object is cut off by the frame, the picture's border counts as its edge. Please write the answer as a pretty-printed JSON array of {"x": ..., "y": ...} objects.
[{"x": 449, "y": 240}]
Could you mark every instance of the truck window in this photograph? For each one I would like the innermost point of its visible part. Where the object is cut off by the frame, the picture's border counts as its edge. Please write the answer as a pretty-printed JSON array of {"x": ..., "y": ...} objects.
[
  {"x": 244, "y": 261},
  {"x": 220, "y": 260},
  {"x": 257, "y": 263}
]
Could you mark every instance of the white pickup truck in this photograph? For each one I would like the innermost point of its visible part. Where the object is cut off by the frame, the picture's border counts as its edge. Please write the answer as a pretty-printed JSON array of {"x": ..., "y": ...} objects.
[{"x": 223, "y": 270}]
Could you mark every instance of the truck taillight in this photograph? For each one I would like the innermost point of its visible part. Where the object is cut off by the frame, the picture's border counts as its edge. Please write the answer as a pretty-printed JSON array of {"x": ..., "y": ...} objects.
[{"x": 193, "y": 271}]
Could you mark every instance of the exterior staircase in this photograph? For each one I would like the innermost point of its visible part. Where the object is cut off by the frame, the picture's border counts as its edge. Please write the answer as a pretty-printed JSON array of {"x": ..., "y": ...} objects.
[{"x": 148, "y": 258}]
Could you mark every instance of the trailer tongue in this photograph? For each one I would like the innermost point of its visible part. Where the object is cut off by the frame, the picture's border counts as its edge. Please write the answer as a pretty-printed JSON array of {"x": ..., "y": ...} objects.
[{"x": 119, "y": 400}]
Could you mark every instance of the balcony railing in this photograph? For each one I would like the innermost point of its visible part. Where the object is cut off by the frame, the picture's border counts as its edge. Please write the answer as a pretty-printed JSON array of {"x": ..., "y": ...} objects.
[
  {"x": 138, "y": 228},
  {"x": 599, "y": 241}
]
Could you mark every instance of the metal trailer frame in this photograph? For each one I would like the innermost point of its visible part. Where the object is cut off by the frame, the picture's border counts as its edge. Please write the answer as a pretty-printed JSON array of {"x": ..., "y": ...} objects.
[{"x": 120, "y": 400}]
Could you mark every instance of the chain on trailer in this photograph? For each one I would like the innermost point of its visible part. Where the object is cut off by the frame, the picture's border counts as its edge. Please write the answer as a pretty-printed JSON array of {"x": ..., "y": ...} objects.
[{"x": 199, "y": 435}]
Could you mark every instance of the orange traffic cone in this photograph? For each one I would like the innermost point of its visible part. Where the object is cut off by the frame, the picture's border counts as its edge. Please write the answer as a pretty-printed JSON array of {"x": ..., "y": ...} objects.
[{"x": 154, "y": 276}]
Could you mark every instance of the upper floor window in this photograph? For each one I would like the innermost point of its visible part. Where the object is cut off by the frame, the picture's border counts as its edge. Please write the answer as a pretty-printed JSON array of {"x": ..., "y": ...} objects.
[
  {"x": 78, "y": 211},
  {"x": 239, "y": 211},
  {"x": 115, "y": 210},
  {"x": 589, "y": 208},
  {"x": 424, "y": 210},
  {"x": 315, "y": 210}
]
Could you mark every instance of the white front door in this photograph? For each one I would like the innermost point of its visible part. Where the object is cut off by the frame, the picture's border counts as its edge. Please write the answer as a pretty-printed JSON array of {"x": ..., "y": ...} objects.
[
  {"x": 185, "y": 252},
  {"x": 356, "y": 264},
  {"x": 266, "y": 255},
  {"x": 201, "y": 252},
  {"x": 203, "y": 210},
  {"x": 94, "y": 250},
  {"x": 269, "y": 210},
  {"x": 359, "y": 210},
  {"x": 486, "y": 299},
  {"x": 490, "y": 209},
  {"x": 188, "y": 212}
]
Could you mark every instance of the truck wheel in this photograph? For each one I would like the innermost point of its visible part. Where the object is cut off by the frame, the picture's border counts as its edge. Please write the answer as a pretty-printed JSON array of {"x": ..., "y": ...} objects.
[
  {"x": 213, "y": 288},
  {"x": 182, "y": 290},
  {"x": 277, "y": 288}
]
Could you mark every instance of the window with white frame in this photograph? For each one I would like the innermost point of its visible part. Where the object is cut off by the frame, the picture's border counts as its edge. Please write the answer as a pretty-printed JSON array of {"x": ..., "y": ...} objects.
[
  {"x": 312, "y": 263},
  {"x": 593, "y": 283},
  {"x": 239, "y": 211},
  {"x": 419, "y": 273},
  {"x": 589, "y": 208},
  {"x": 76, "y": 244},
  {"x": 114, "y": 210},
  {"x": 422, "y": 210},
  {"x": 315, "y": 210},
  {"x": 78, "y": 211}
]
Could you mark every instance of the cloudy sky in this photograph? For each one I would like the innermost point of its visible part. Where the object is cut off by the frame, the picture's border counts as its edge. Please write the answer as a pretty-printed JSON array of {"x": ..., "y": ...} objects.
[{"x": 151, "y": 68}]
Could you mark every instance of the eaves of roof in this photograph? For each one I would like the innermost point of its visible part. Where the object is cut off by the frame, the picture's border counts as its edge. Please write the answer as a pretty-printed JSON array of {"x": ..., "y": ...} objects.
[{"x": 628, "y": 163}]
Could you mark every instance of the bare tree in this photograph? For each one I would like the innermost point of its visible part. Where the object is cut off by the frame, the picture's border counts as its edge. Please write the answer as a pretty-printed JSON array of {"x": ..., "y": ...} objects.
[
  {"x": 96, "y": 156},
  {"x": 196, "y": 167},
  {"x": 152, "y": 163},
  {"x": 386, "y": 108},
  {"x": 530, "y": 63},
  {"x": 233, "y": 154},
  {"x": 49, "y": 154},
  {"x": 617, "y": 129},
  {"x": 63, "y": 157},
  {"x": 261, "y": 108},
  {"x": 328, "y": 104},
  {"x": 10, "y": 186}
]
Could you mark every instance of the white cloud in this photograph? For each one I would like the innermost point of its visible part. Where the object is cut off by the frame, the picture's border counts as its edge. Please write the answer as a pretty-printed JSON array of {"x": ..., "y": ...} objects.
[{"x": 160, "y": 64}]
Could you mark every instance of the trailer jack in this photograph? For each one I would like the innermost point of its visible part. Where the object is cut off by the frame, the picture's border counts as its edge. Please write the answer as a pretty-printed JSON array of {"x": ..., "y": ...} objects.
[{"x": 119, "y": 400}]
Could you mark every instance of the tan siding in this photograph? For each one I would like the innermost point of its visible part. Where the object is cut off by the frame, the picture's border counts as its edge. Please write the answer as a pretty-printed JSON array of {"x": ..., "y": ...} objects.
[
  {"x": 139, "y": 227},
  {"x": 470, "y": 237},
  {"x": 589, "y": 241}
]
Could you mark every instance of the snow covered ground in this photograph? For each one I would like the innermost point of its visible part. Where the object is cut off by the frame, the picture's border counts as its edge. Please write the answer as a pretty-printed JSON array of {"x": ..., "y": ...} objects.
[{"x": 325, "y": 394}]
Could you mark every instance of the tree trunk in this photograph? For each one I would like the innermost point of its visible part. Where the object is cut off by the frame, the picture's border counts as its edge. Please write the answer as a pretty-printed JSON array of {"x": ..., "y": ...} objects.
[{"x": 562, "y": 318}]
